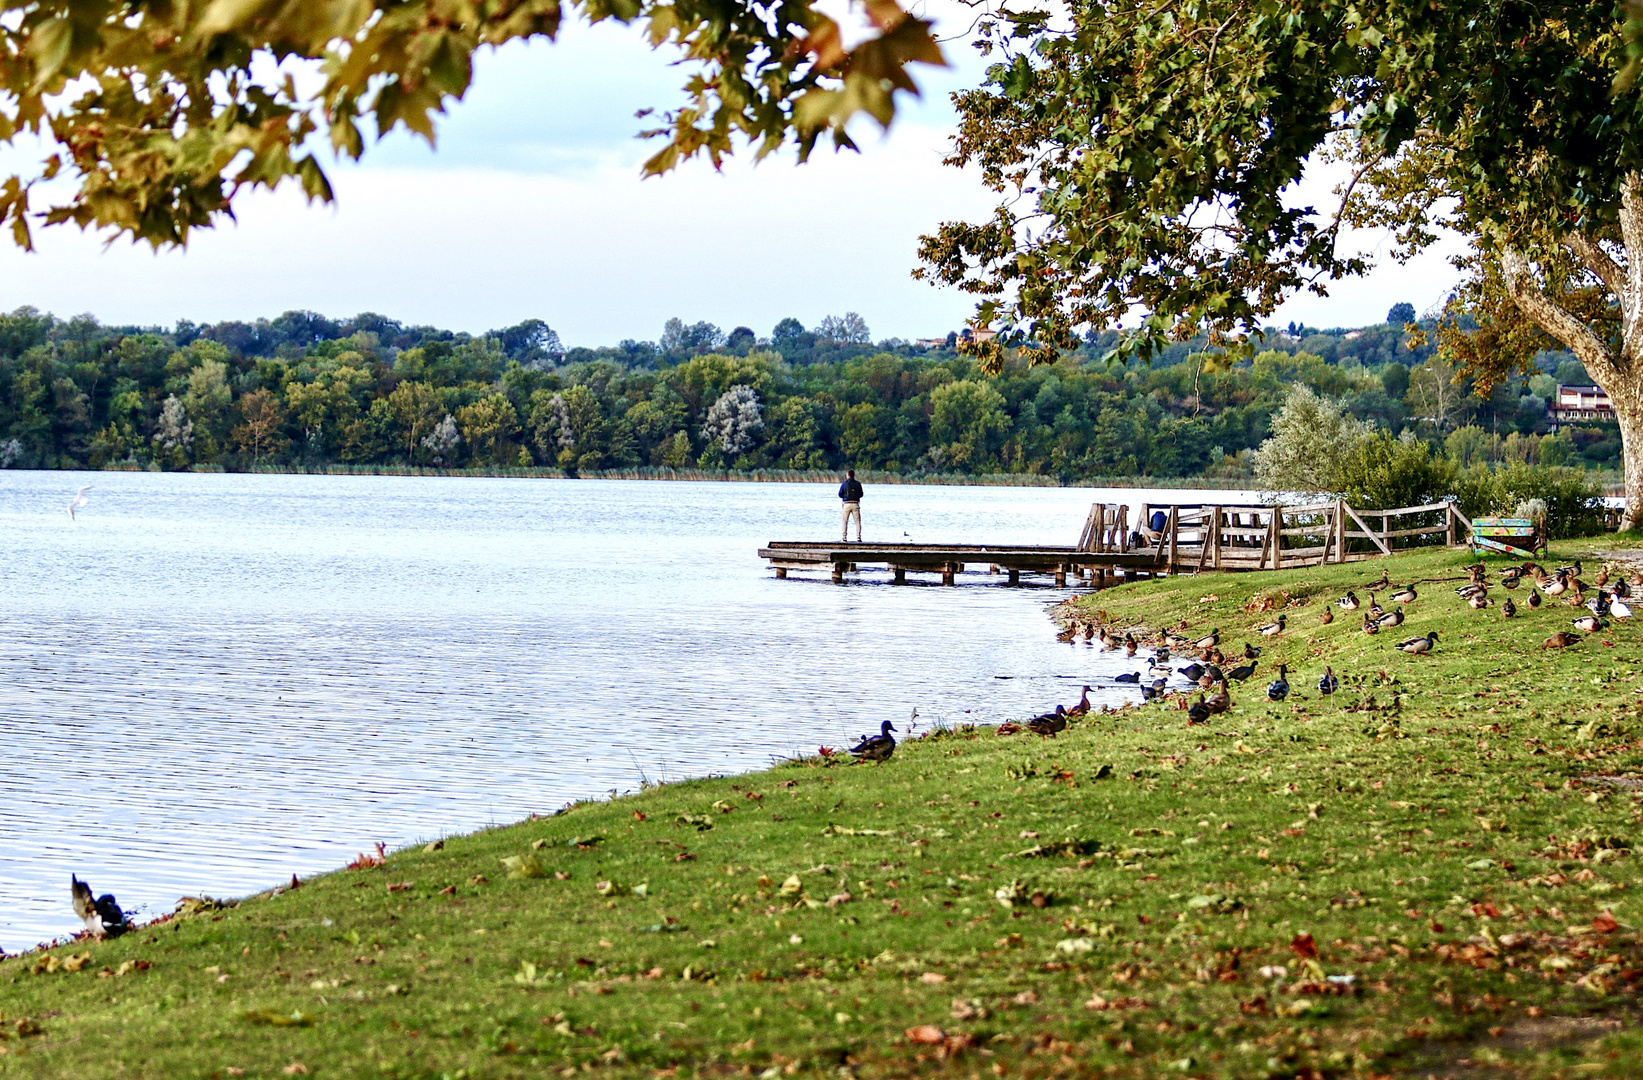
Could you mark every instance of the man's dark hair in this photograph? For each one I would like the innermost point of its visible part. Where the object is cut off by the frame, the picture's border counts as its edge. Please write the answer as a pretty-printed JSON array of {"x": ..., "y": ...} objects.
[{"x": 850, "y": 472}]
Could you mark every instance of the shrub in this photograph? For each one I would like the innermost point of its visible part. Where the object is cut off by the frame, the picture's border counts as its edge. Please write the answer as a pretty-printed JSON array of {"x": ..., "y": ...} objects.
[{"x": 1384, "y": 471}]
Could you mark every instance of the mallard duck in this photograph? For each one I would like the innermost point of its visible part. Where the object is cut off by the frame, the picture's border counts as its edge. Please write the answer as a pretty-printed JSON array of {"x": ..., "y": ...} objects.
[
  {"x": 1534, "y": 599},
  {"x": 1405, "y": 595},
  {"x": 1193, "y": 672},
  {"x": 1557, "y": 586},
  {"x": 1621, "y": 589},
  {"x": 1239, "y": 674},
  {"x": 1370, "y": 625},
  {"x": 1391, "y": 619},
  {"x": 1109, "y": 640},
  {"x": 1089, "y": 631},
  {"x": 1385, "y": 582},
  {"x": 1599, "y": 604},
  {"x": 1478, "y": 600},
  {"x": 1220, "y": 701},
  {"x": 102, "y": 916},
  {"x": 1129, "y": 645},
  {"x": 1083, "y": 706},
  {"x": 1325, "y": 617},
  {"x": 1327, "y": 682},
  {"x": 1050, "y": 723},
  {"x": 1470, "y": 589},
  {"x": 1068, "y": 634},
  {"x": 1375, "y": 608},
  {"x": 1602, "y": 577},
  {"x": 1476, "y": 571},
  {"x": 1251, "y": 651},
  {"x": 1561, "y": 640},
  {"x": 1349, "y": 602},
  {"x": 1574, "y": 569},
  {"x": 1272, "y": 629},
  {"x": 1508, "y": 609},
  {"x": 1589, "y": 623},
  {"x": 1209, "y": 641},
  {"x": 876, "y": 747},
  {"x": 1198, "y": 712},
  {"x": 1278, "y": 689},
  {"x": 1417, "y": 646}
]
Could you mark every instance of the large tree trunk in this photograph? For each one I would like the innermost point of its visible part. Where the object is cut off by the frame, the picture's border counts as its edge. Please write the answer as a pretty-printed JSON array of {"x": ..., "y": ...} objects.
[{"x": 1619, "y": 373}]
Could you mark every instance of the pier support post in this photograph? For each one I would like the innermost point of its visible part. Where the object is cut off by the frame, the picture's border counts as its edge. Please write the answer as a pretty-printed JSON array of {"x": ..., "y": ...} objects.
[
  {"x": 947, "y": 574},
  {"x": 1061, "y": 577},
  {"x": 838, "y": 573},
  {"x": 781, "y": 573},
  {"x": 1015, "y": 576},
  {"x": 901, "y": 575}
]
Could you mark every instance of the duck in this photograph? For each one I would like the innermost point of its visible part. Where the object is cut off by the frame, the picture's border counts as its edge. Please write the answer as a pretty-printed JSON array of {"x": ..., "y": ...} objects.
[
  {"x": 1349, "y": 602},
  {"x": 1599, "y": 604},
  {"x": 1198, "y": 712},
  {"x": 1129, "y": 645},
  {"x": 1619, "y": 608},
  {"x": 1278, "y": 689},
  {"x": 876, "y": 747},
  {"x": 1068, "y": 634},
  {"x": 1508, "y": 609},
  {"x": 1220, "y": 701},
  {"x": 1405, "y": 595},
  {"x": 1534, "y": 600},
  {"x": 1193, "y": 672},
  {"x": 1417, "y": 646},
  {"x": 1561, "y": 640},
  {"x": 1050, "y": 723},
  {"x": 1325, "y": 617},
  {"x": 1239, "y": 674},
  {"x": 1590, "y": 623},
  {"x": 1510, "y": 579},
  {"x": 1385, "y": 582},
  {"x": 1272, "y": 629},
  {"x": 1089, "y": 631},
  {"x": 1602, "y": 577},
  {"x": 1370, "y": 625},
  {"x": 1621, "y": 589},
  {"x": 1478, "y": 600},
  {"x": 1476, "y": 572},
  {"x": 1391, "y": 619},
  {"x": 1083, "y": 706},
  {"x": 102, "y": 916},
  {"x": 1251, "y": 651},
  {"x": 1375, "y": 608},
  {"x": 1209, "y": 641},
  {"x": 1557, "y": 586},
  {"x": 1470, "y": 589},
  {"x": 1574, "y": 569},
  {"x": 1128, "y": 677},
  {"x": 1109, "y": 640},
  {"x": 1327, "y": 682}
]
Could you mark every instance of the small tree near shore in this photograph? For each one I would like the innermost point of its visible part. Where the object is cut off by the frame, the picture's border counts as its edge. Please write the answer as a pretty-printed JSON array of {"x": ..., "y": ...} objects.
[{"x": 1312, "y": 439}]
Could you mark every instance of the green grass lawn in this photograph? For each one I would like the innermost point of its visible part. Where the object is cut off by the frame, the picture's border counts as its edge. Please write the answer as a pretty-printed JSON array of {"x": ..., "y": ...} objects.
[{"x": 1425, "y": 874}]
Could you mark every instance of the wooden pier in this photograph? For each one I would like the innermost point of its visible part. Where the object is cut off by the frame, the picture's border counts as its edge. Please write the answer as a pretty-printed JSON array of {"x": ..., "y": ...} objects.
[{"x": 1195, "y": 538}]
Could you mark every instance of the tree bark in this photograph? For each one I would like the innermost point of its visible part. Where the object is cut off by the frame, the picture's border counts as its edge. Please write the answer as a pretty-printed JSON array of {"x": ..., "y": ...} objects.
[{"x": 1616, "y": 373}]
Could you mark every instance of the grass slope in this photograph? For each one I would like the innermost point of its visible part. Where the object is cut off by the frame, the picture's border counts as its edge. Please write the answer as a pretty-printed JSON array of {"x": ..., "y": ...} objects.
[{"x": 1435, "y": 831}]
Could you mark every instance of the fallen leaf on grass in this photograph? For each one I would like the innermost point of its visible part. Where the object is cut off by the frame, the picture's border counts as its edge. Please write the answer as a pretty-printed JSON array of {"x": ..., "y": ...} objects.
[
  {"x": 524, "y": 866},
  {"x": 932, "y": 977},
  {"x": 401, "y": 886},
  {"x": 926, "y": 1034},
  {"x": 1304, "y": 947},
  {"x": 1604, "y": 923},
  {"x": 275, "y": 1018}
]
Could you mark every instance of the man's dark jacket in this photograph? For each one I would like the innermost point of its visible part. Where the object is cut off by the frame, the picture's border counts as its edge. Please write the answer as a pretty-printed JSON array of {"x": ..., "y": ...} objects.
[{"x": 850, "y": 490}]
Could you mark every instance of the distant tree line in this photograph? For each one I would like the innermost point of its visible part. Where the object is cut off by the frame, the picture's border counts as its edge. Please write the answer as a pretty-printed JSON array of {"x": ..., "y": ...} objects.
[{"x": 305, "y": 390}]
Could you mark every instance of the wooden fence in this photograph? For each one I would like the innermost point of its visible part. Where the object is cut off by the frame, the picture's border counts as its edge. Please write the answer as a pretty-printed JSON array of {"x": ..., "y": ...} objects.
[{"x": 1256, "y": 537}]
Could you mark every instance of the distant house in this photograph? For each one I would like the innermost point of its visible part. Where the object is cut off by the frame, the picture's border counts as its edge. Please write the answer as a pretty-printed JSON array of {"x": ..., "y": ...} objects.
[
  {"x": 971, "y": 334},
  {"x": 1575, "y": 403},
  {"x": 930, "y": 342}
]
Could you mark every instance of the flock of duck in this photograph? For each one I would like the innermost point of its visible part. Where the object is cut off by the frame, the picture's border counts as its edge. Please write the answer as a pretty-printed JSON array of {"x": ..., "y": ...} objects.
[{"x": 1604, "y": 599}]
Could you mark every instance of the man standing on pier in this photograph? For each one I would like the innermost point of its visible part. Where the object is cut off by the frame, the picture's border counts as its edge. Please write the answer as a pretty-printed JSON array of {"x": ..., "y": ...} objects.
[{"x": 850, "y": 492}]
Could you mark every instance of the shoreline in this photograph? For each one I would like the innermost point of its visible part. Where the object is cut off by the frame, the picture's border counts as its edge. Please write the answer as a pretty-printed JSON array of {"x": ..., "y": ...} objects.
[{"x": 761, "y": 476}]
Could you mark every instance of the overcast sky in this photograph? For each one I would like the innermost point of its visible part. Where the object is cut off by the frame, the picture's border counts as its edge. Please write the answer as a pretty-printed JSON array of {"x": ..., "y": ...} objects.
[{"x": 532, "y": 207}]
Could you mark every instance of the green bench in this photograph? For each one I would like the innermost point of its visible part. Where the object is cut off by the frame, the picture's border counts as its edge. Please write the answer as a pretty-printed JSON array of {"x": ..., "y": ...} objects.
[{"x": 1517, "y": 537}]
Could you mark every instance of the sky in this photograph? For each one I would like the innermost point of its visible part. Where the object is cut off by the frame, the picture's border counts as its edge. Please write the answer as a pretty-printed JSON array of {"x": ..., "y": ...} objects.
[{"x": 532, "y": 206}]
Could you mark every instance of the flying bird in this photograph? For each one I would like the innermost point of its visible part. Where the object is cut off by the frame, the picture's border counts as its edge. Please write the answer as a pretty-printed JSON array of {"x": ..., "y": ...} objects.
[
  {"x": 102, "y": 916},
  {"x": 78, "y": 501}
]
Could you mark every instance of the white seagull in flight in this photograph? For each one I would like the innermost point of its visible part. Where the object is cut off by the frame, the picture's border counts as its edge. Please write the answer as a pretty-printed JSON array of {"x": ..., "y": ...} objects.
[{"x": 78, "y": 501}]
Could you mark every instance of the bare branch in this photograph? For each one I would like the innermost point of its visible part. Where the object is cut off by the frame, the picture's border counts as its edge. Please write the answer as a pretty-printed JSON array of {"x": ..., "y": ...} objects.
[{"x": 1557, "y": 320}]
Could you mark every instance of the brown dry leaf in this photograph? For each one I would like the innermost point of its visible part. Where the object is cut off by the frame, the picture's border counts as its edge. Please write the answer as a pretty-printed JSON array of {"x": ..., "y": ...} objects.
[{"x": 926, "y": 1034}]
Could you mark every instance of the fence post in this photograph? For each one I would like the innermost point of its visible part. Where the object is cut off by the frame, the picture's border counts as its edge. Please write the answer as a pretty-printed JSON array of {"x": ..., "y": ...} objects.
[
  {"x": 1214, "y": 536},
  {"x": 1174, "y": 533}
]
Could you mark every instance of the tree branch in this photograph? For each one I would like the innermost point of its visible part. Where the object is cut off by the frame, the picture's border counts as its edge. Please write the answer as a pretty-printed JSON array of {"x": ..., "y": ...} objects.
[
  {"x": 1598, "y": 262},
  {"x": 1631, "y": 234},
  {"x": 1555, "y": 319}
]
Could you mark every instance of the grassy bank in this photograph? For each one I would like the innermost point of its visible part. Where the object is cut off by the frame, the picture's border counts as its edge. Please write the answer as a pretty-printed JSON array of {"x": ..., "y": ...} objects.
[{"x": 1425, "y": 874}]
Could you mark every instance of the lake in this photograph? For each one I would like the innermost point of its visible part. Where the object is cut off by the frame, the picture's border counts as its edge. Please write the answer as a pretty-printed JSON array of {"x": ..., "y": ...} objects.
[{"x": 211, "y": 682}]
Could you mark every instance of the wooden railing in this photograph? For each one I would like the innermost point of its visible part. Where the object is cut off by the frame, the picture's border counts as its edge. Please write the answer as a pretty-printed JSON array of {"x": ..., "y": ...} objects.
[{"x": 1263, "y": 537}]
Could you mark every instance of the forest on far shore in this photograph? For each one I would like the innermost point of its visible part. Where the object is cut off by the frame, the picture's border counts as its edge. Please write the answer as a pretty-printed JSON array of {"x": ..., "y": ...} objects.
[{"x": 303, "y": 390}]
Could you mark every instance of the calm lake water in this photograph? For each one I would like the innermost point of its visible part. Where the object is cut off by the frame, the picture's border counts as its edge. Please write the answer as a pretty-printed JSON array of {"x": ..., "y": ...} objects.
[{"x": 210, "y": 682}]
